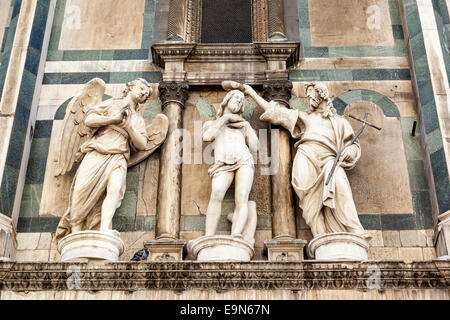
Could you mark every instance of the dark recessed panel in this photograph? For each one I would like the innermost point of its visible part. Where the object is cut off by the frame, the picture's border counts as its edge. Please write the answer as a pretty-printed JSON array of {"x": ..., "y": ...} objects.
[{"x": 226, "y": 21}]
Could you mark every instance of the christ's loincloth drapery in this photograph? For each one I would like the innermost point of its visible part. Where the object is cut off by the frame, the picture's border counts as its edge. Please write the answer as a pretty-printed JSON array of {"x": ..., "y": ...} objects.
[{"x": 230, "y": 151}]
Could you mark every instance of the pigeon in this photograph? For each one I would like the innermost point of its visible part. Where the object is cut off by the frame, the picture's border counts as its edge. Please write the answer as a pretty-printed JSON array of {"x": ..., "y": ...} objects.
[{"x": 140, "y": 255}]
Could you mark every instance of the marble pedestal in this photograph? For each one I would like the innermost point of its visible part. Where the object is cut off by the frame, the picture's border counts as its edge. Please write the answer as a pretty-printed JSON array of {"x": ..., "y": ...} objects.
[
  {"x": 91, "y": 246},
  {"x": 165, "y": 250},
  {"x": 285, "y": 249},
  {"x": 220, "y": 248},
  {"x": 339, "y": 246}
]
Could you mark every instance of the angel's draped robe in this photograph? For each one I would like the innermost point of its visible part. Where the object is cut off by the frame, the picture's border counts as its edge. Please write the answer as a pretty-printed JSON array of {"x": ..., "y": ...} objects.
[
  {"x": 106, "y": 151},
  {"x": 326, "y": 208}
]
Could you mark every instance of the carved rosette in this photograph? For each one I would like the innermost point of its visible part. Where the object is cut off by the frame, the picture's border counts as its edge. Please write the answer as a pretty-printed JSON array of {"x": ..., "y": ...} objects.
[
  {"x": 173, "y": 92},
  {"x": 277, "y": 90}
]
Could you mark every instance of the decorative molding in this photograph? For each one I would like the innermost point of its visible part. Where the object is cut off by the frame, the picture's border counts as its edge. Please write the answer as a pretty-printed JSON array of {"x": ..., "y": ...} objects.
[
  {"x": 165, "y": 257},
  {"x": 224, "y": 53},
  {"x": 131, "y": 276},
  {"x": 171, "y": 52},
  {"x": 235, "y": 56},
  {"x": 173, "y": 92},
  {"x": 280, "y": 51},
  {"x": 193, "y": 21},
  {"x": 260, "y": 23}
]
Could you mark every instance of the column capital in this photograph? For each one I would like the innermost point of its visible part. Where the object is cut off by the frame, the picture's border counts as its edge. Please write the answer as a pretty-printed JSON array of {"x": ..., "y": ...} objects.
[
  {"x": 278, "y": 90},
  {"x": 173, "y": 91}
]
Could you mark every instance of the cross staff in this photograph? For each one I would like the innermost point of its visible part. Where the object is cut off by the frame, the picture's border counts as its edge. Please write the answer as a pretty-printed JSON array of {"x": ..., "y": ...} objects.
[{"x": 336, "y": 160}]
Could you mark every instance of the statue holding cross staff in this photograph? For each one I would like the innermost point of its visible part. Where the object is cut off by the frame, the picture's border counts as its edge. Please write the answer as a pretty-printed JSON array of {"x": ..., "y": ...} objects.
[{"x": 326, "y": 147}]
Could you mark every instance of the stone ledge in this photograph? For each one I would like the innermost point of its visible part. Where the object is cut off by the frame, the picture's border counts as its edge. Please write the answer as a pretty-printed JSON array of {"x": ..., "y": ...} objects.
[{"x": 180, "y": 276}]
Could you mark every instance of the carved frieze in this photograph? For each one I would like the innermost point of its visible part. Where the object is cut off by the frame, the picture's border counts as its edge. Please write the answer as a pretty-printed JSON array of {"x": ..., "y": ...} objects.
[{"x": 226, "y": 276}]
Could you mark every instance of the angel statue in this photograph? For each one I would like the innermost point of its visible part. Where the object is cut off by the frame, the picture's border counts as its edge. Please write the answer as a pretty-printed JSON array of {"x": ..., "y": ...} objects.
[
  {"x": 105, "y": 138},
  {"x": 321, "y": 134}
]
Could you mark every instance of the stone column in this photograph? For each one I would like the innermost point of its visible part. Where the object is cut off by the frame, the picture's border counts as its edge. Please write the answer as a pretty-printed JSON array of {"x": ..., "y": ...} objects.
[
  {"x": 276, "y": 21},
  {"x": 173, "y": 96},
  {"x": 282, "y": 195},
  {"x": 176, "y": 30}
]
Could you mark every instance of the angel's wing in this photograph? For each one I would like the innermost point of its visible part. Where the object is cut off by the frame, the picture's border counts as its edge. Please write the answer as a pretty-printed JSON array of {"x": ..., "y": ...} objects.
[
  {"x": 157, "y": 132},
  {"x": 73, "y": 131}
]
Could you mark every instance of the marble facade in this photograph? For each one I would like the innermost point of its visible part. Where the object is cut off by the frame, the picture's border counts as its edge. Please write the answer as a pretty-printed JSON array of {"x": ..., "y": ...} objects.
[{"x": 396, "y": 71}]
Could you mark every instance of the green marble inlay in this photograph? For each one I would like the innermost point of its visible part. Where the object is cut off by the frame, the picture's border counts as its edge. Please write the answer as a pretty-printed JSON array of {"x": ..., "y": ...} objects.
[
  {"x": 128, "y": 206},
  {"x": 37, "y": 161},
  {"x": 370, "y": 221},
  {"x": 108, "y": 77},
  {"x": 132, "y": 180},
  {"x": 153, "y": 108},
  {"x": 441, "y": 180},
  {"x": 297, "y": 103},
  {"x": 398, "y": 222},
  {"x": 249, "y": 107},
  {"x": 399, "y": 48},
  {"x": 387, "y": 105},
  {"x": 417, "y": 176},
  {"x": 422, "y": 209},
  {"x": 54, "y": 54},
  {"x": 441, "y": 13},
  {"x": 8, "y": 40},
  {"x": 413, "y": 149},
  {"x": 8, "y": 190},
  {"x": 31, "y": 200},
  {"x": 350, "y": 75},
  {"x": 434, "y": 141},
  {"x": 203, "y": 106}
]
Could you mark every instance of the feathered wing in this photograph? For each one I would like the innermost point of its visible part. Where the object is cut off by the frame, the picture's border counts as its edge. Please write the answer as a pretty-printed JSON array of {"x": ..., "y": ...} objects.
[
  {"x": 74, "y": 131},
  {"x": 157, "y": 132}
]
